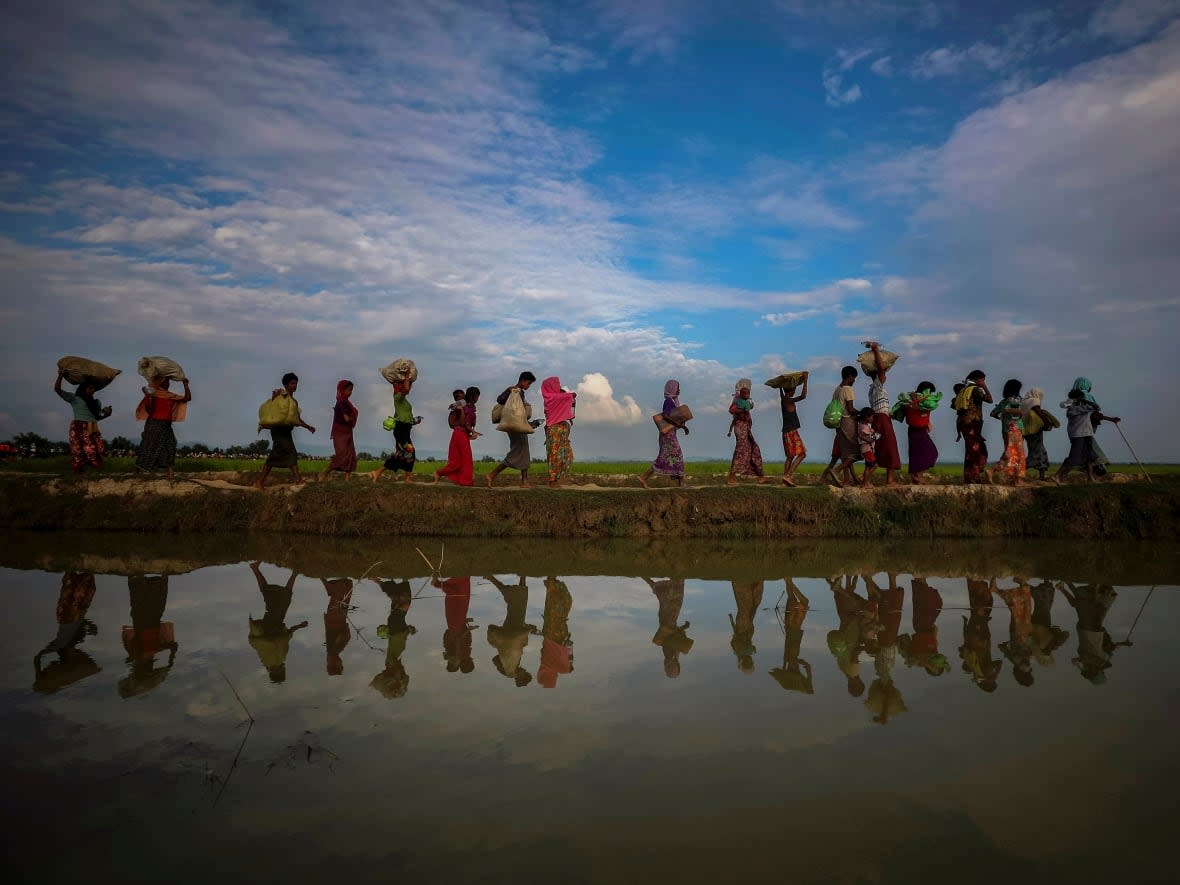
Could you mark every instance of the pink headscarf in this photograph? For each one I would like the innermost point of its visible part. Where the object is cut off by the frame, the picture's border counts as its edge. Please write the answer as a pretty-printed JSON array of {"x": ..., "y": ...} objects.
[
  {"x": 559, "y": 405},
  {"x": 672, "y": 390}
]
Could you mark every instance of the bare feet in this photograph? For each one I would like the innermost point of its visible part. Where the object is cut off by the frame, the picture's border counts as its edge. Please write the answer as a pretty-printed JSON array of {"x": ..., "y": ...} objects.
[
  {"x": 787, "y": 482},
  {"x": 643, "y": 482},
  {"x": 762, "y": 480},
  {"x": 257, "y": 484},
  {"x": 491, "y": 480},
  {"x": 436, "y": 478}
]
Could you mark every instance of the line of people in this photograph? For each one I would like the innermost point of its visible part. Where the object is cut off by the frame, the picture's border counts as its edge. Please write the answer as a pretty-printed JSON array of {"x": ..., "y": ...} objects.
[
  {"x": 868, "y": 624},
  {"x": 861, "y": 434}
]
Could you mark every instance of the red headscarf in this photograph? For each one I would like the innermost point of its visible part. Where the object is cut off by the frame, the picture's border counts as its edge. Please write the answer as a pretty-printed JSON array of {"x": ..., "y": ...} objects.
[
  {"x": 342, "y": 398},
  {"x": 559, "y": 405}
]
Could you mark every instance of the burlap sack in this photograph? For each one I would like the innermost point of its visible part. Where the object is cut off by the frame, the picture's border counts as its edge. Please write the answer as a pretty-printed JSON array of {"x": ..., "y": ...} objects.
[
  {"x": 400, "y": 369},
  {"x": 514, "y": 416},
  {"x": 160, "y": 367},
  {"x": 79, "y": 369},
  {"x": 869, "y": 364},
  {"x": 786, "y": 379}
]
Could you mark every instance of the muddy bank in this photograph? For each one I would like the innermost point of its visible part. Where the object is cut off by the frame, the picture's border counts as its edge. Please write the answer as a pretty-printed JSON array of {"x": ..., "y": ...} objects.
[
  {"x": 1126, "y": 511},
  {"x": 700, "y": 558}
]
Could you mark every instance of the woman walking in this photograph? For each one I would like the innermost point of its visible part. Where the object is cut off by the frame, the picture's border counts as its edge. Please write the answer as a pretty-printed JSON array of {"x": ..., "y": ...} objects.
[
  {"x": 670, "y": 460},
  {"x": 559, "y": 419},
  {"x": 747, "y": 456},
  {"x": 969, "y": 407},
  {"x": 159, "y": 410},
  {"x": 1011, "y": 415},
  {"x": 344, "y": 415},
  {"x": 86, "y": 445},
  {"x": 403, "y": 456},
  {"x": 917, "y": 407},
  {"x": 519, "y": 457},
  {"x": 885, "y": 449},
  {"x": 460, "y": 466}
]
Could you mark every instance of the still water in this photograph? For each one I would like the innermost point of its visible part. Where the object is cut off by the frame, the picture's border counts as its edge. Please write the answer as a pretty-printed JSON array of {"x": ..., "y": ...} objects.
[{"x": 533, "y": 711}]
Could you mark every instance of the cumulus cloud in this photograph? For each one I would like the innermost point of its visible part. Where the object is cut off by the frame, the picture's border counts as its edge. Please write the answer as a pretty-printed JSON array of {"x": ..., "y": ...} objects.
[{"x": 597, "y": 403}]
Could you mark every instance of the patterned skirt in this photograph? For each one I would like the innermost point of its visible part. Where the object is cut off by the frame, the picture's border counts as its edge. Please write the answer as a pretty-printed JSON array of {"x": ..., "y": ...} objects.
[
  {"x": 793, "y": 445},
  {"x": 1038, "y": 456},
  {"x": 86, "y": 446},
  {"x": 404, "y": 456},
  {"x": 747, "y": 456},
  {"x": 1012, "y": 462},
  {"x": 975, "y": 451},
  {"x": 670, "y": 460},
  {"x": 157, "y": 445},
  {"x": 558, "y": 450}
]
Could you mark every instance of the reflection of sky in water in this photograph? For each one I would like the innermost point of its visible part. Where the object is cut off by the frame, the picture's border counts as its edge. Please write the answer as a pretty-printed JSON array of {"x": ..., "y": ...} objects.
[{"x": 607, "y": 769}]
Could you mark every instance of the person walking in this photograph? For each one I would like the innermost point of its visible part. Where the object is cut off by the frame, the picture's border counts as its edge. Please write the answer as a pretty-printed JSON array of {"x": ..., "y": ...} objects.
[{"x": 519, "y": 457}]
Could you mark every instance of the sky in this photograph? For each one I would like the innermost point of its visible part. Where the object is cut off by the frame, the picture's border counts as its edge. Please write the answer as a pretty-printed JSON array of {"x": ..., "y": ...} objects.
[{"x": 615, "y": 193}]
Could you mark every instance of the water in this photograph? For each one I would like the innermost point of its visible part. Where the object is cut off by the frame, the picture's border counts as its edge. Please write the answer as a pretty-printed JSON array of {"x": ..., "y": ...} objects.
[{"x": 837, "y": 740}]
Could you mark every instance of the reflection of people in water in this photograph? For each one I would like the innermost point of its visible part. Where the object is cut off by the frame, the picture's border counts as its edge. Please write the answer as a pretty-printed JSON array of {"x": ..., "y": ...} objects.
[
  {"x": 1092, "y": 602},
  {"x": 336, "y": 629},
  {"x": 795, "y": 673},
  {"x": 510, "y": 638},
  {"x": 1044, "y": 636},
  {"x": 270, "y": 636},
  {"x": 976, "y": 650},
  {"x": 457, "y": 636},
  {"x": 921, "y": 647},
  {"x": 748, "y": 596},
  {"x": 148, "y": 635},
  {"x": 72, "y": 664},
  {"x": 557, "y": 646},
  {"x": 846, "y": 643},
  {"x": 670, "y": 635},
  {"x": 885, "y": 698},
  {"x": 393, "y": 681},
  {"x": 1018, "y": 649}
]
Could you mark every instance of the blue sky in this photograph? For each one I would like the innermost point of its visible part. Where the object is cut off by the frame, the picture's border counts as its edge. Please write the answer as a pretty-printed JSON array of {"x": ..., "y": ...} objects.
[{"x": 613, "y": 192}]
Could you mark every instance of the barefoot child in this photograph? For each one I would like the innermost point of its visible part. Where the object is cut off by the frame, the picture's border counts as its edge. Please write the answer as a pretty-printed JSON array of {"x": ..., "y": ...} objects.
[
  {"x": 793, "y": 446},
  {"x": 866, "y": 437}
]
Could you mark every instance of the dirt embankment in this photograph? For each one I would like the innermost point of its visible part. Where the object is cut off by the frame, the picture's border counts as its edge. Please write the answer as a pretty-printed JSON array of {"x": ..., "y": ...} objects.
[{"x": 1127, "y": 511}]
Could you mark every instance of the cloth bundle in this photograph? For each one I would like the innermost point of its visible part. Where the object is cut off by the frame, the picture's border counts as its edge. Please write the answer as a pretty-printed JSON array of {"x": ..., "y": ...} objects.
[
  {"x": 681, "y": 415},
  {"x": 400, "y": 370},
  {"x": 786, "y": 379},
  {"x": 160, "y": 367},
  {"x": 869, "y": 363},
  {"x": 78, "y": 369},
  {"x": 279, "y": 411},
  {"x": 514, "y": 417}
]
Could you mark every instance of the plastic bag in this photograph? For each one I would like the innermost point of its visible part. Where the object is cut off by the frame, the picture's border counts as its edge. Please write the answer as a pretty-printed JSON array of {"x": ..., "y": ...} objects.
[
  {"x": 514, "y": 417},
  {"x": 400, "y": 370},
  {"x": 160, "y": 367},
  {"x": 279, "y": 411},
  {"x": 1033, "y": 424},
  {"x": 78, "y": 369},
  {"x": 833, "y": 413}
]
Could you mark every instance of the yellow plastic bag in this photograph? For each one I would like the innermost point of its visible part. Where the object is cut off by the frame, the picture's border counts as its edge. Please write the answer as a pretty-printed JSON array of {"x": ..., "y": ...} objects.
[{"x": 280, "y": 411}]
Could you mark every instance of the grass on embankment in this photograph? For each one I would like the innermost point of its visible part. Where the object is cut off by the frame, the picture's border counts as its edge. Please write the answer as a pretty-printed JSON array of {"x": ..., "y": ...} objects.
[{"x": 360, "y": 508}]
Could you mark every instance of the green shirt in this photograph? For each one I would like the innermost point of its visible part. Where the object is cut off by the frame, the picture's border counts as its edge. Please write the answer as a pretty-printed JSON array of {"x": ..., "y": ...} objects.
[
  {"x": 81, "y": 410},
  {"x": 402, "y": 410}
]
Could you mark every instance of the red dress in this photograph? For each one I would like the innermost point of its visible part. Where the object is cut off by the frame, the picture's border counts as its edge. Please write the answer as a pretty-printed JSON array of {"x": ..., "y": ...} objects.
[{"x": 460, "y": 467}]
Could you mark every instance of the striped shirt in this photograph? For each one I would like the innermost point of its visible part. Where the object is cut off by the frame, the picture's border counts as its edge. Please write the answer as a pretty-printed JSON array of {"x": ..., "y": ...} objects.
[{"x": 878, "y": 398}]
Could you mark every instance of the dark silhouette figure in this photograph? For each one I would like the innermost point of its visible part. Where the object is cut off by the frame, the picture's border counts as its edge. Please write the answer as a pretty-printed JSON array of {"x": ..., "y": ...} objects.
[
  {"x": 670, "y": 635},
  {"x": 795, "y": 673},
  {"x": 976, "y": 650},
  {"x": 1092, "y": 603},
  {"x": 884, "y": 697},
  {"x": 1018, "y": 649},
  {"x": 72, "y": 664},
  {"x": 147, "y": 636},
  {"x": 270, "y": 636},
  {"x": 1046, "y": 638},
  {"x": 748, "y": 596},
  {"x": 920, "y": 649},
  {"x": 557, "y": 645},
  {"x": 512, "y": 637},
  {"x": 856, "y": 623},
  {"x": 457, "y": 636},
  {"x": 393, "y": 681},
  {"x": 336, "y": 630}
]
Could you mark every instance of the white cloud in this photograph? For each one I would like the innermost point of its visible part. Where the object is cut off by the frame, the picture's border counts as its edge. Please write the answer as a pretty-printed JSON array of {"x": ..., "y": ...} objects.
[
  {"x": 597, "y": 403},
  {"x": 1132, "y": 19},
  {"x": 883, "y": 67}
]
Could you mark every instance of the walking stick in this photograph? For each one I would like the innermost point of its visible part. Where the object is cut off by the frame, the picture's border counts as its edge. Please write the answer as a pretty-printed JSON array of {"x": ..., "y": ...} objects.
[
  {"x": 1119, "y": 428},
  {"x": 1134, "y": 623}
]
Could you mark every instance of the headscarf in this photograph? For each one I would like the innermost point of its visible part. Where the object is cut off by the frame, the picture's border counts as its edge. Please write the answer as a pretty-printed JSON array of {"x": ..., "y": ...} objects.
[
  {"x": 342, "y": 400},
  {"x": 1084, "y": 385},
  {"x": 559, "y": 405},
  {"x": 743, "y": 382},
  {"x": 672, "y": 391}
]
